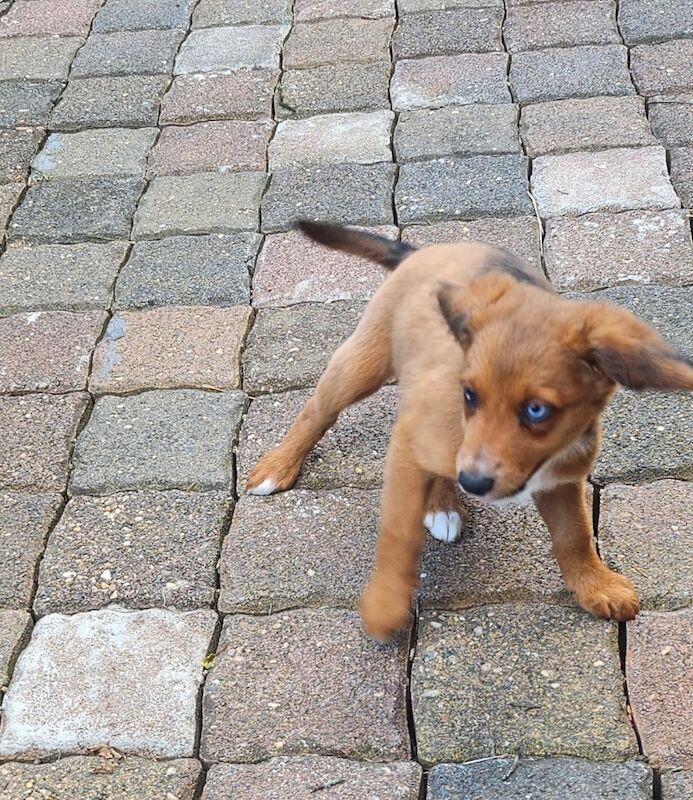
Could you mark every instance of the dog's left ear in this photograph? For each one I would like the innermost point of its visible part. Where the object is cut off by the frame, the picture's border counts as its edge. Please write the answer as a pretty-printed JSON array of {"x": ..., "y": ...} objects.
[
  {"x": 626, "y": 350},
  {"x": 463, "y": 307}
]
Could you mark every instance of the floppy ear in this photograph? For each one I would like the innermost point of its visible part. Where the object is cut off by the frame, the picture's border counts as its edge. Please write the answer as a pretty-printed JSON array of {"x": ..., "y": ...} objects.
[
  {"x": 463, "y": 307},
  {"x": 627, "y": 351}
]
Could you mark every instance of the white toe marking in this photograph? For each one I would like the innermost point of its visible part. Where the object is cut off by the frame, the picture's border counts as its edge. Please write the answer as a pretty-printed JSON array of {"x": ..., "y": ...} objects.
[
  {"x": 446, "y": 526},
  {"x": 268, "y": 486}
]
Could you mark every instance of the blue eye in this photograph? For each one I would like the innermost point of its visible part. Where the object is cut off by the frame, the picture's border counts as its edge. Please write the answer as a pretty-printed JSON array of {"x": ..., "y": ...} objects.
[
  {"x": 535, "y": 412},
  {"x": 471, "y": 398}
]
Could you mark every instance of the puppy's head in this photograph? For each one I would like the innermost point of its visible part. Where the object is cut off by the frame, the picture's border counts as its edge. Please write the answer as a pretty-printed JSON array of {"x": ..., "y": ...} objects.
[{"x": 538, "y": 369}]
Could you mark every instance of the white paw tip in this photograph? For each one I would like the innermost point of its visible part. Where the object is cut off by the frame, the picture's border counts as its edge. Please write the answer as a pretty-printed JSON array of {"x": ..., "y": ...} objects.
[
  {"x": 445, "y": 526},
  {"x": 268, "y": 486}
]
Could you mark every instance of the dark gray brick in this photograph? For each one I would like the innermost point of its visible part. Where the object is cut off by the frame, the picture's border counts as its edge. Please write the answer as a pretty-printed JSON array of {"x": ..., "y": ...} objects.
[
  {"x": 456, "y": 30},
  {"x": 127, "y": 53},
  {"x": 682, "y": 174},
  {"x": 26, "y": 104},
  {"x": 655, "y": 20},
  {"x": 663, "y": 67},
  {"x": 671, "y": 119},
  {"x": 136, "y": 15}
]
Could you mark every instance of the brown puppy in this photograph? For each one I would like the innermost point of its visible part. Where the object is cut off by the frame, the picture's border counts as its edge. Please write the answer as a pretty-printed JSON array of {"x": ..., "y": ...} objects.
[{"x": 502, "y": 383}]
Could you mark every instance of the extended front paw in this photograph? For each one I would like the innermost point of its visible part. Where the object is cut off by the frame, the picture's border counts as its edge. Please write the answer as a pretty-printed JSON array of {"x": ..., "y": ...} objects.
[
  {"x": 385, "y": 608},
  {"x": 275, "y": 472},
  {"x": 607, "y": 594}
]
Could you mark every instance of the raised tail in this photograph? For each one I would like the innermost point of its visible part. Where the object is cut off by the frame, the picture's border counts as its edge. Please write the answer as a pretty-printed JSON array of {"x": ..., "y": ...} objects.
[{"x": 386, "y": 252}]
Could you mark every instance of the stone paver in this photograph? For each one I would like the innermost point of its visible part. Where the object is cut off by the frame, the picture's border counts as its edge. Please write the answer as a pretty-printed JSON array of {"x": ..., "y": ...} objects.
[
  {"x": 55, "y": 277},
  {"x": 36, "y": 437},
  {"x": 114, "y": 152},
  {"x": 306, "y": 10},
  {"x": 671, "y": 119},
  {"x": 442, "y": 80},
  {"x": 407, "y": 6},
  {"x": 81, "y": 777},
  {"x": 357, "y": 194},
  {"x": 456, "y": 130},
  {"x": 127, "y": 53},
  {"x": 297, "y": 778},
  {"x": 47, "y": 351},
  {"x": 25, "y": 520},
  {"x": 654, "y": 20},
  {"x": 210, "y": 13},
  {"x": 225, "y": 146},
  {"x": 188, "y": 270},
  {"x": 16, "y": 151},
  {"x": 48, "y": 18},
  {"x": 134, "y": 15},
  {"x": 548, "y": 779},
  {"x": 207, "y": 202},
  {"x": 306, "y": 681},
  {"x": 609, "y": 180},
  {"x": 350, "y": 454},
  {"x": 179, "y": 439},
  {"x": 525, "y": 680},
  {"x": 228, "y": 48},
  {"x": 15, "y": 629},
  {"x": 646, "y": 534},
  {"x": 26, "y": 103},
  {"x": 39, "y": 58},
  {"x": 170, "y": 348},
  {"x": 92, "y": 209},
  {"x": 455, "y": 30},
  {"x": 63, "y": 692},
  {"x": 9, "y": 197},
  {"x": 332, "y": 139},
  {"x": 293, "y": 269},
  {"x": 137, "y": 549},
  {"x": 662, "y": 67},
  {"x": 682, "y": 174},
  {"x": 658, "y": 671},
  {"x": 564, "y": 72},
  {"x": 636, "y": 247},
  {"x": 313, "y": 44},
  {"x": 677, "y": 785},
  {"x": 493, "y": 186},
  {"x": 306, "y": 335}
]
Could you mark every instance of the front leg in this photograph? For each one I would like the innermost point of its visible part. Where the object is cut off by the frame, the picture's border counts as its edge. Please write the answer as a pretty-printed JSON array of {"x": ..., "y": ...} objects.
[
  {"x": 596, "y": 588},
  {"x": 386, "y": 603}
]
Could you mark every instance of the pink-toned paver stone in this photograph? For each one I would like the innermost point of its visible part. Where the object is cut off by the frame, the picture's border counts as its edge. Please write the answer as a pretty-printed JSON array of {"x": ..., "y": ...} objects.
[
  {"x": 337, "y": 41},
  {"x": 304, "y": 682},
  {"x": 224, "y": 146},
  {"x": 659, "y": 671},
  {"x": 9, "y": 195},
  {"x": 170, "y": 348},
  {"x": 292, "y": 269},
  {"x": 47, "y": 351},
  {"x": 49, "y": 18}
]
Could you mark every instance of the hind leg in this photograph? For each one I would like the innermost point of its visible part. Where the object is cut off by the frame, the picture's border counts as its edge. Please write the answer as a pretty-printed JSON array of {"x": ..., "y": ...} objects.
[{"x": 444, "y": 515}]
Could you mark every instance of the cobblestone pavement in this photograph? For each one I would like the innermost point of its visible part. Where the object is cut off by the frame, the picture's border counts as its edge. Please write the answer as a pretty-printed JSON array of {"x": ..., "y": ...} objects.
[{"x": 160, "y": 324}]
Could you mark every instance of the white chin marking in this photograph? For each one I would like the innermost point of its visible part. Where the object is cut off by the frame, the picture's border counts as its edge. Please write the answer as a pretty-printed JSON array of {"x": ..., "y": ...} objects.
[
  {"x": 268, "y": 486},
  {"x": 445, "y": 526}
]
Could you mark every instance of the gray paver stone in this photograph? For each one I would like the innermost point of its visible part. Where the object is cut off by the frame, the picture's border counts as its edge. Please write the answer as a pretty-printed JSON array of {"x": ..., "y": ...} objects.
[
  {"x": 15, "y": 629},
  {"x": 180, "y": 439},
  {"x": 311, "y": 44},
  {"x": 94, "y": 656},
  {"x": 654, "y": 20},
  {"x": 211, "y": 13},
  {"x": 682, "y": 174},
  {"x": 306, "y": 681},
  {"x": 409, "y": 6},
  {"x": 9, "y": 198},
  {"x": 671, "y": 119},
  {"x": 37, "y": 58},
  {"x": 305, "y": 10},
  {"x": 662, "y": 67},
  {"x": 677, "y": 785},
  {"x": 134, "y": 15},
  {"x": 127, "y": 53},
  {"x": 26, "y": 103},
  {"x": 455, "y": 30},
  {"x": 228, "y": 48},
  {"x": 17, "y": 148}
]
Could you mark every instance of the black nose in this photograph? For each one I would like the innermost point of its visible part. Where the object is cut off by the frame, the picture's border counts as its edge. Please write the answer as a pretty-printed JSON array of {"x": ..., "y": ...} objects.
[{"x": 475, "y": 484}]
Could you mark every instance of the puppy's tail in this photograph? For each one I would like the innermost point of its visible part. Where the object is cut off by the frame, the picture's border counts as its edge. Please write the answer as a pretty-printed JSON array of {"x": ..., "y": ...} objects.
[{"x": 386, "y": 252}]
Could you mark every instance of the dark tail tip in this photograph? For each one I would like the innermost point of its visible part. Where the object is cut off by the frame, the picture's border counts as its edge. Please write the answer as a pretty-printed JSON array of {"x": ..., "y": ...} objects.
[{"x": 386, "y": 252}]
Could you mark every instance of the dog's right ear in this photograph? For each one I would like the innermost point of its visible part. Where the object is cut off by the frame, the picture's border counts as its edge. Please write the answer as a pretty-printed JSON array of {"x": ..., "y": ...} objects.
[{"x": 463, "y": 307}]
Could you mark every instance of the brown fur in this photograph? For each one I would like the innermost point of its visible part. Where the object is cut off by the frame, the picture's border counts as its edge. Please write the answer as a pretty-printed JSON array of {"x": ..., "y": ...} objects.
[{"x": 455, "y": 316}]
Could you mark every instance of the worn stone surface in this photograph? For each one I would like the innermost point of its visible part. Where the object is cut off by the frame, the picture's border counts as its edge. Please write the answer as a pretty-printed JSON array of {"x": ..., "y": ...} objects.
[
  {"x": 225, "y": 146},
  {"x": 135, "y": 15},
  {"x": 17, "y": 148},
  {"x": 593, "y": 123},
  {"x": 662, "y": 67},
  {"x": 243, "y": 94},
  {"x": 527, "y": 680},
  {"x": 229, "y": 48},
  {"x": 111, "y": 152},
  {"x": 682, "y": 174},
  {"x": 565, "y": 72},
  {"x": 454, "y": 30},
  {"x": 47, "y": 351},
  {"x": 659, "y": 674},
  {"x": 610, "y": 180},
  {"x": 48, "y": 18},
  {"x": 671, "y": 119},
  {"x": 130, "y": 100},
  {"x": 306, "y": 681},
  {"x": 645, "y": 532},
  {"x": 350, "y": 454},
  {"x": 408, "y": 6},
  {"x": 207, "y": 202},
  {"x": 137, "y": 549},
  {"x": 127, "y": 53},
  {"x": 293, "y": 269},
  {"x": 312, "y": 44},
  {"x": 15, "y": 629},
  {"x": 494, "y": 186},
  {"x": 9, "y": 197},
  {"x": 358, "y": 194},
  {"x": 54, "y": 277},
  {"x": 188, "y": 270},
  {"x": 25, "y": 520},
  {"x": 289, "y": 348},
  {"x": 444, "y": 80},
  {"x": 36, "y": 436},
  {"x": 306, "y": 10},
  {"x": 547, "y": 778},
  {"x": 654, "y": 20},
  {"x": 333, "y": 87},
  {"x": 158, "y": 440},
  {"x": 456, "y": 130},
  {"x": 65, "y": 682},
  {"x": 677, "y": 785},
  {"x": 298, "y": 549},
  {"x": 79, "y": 777},
  {"x": 170, "y": 348},
  {"x": 356, "y": 138},
  {"x": 82, "y": 209},
  {"x": 209, "y": 13},
  {"x": 26, "y": 103},
  {"x": 636, "y": 247},
  {"x": 37, "y": 58},
  {"x": 296, "y": 778}
]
